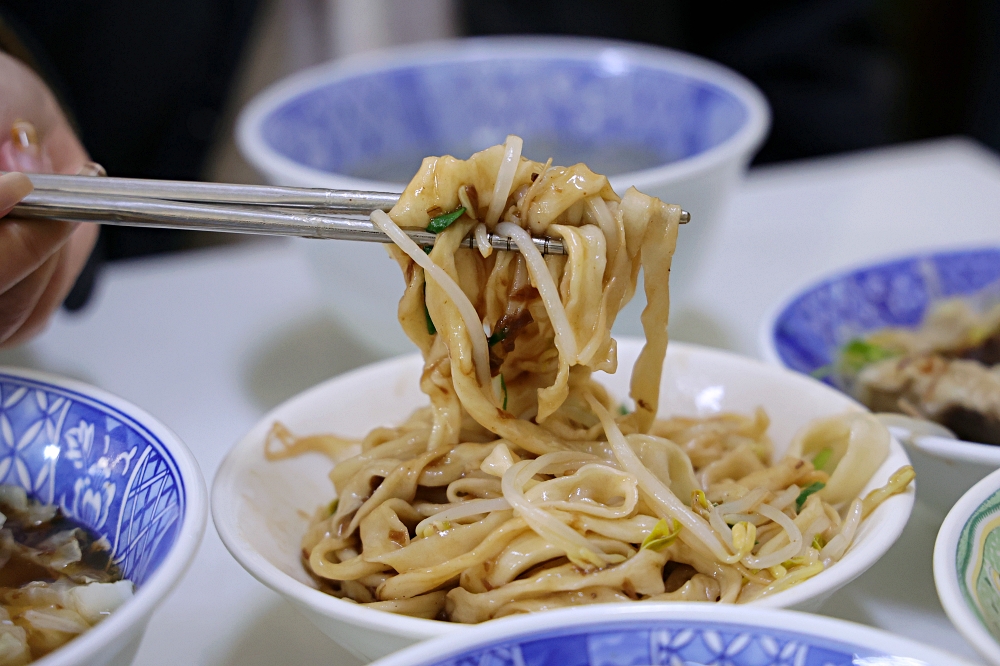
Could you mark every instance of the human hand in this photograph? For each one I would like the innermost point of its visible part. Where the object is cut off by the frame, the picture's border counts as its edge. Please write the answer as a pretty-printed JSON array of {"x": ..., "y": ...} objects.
[{"x": 39, "y": 259}]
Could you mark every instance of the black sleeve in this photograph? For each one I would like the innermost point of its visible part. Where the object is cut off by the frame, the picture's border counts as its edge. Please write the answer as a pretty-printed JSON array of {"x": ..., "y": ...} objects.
[{"x": 145, "y": 84}]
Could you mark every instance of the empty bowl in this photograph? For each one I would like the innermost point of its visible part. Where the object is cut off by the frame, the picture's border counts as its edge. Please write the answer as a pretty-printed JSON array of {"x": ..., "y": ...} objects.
[{"x": 673, "y": 125}]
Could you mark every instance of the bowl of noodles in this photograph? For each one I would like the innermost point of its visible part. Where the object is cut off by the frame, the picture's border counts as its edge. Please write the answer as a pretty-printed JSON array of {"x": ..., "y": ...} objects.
[
  {"x": 916, "y": 339},
  {"x": 671, "y": 124},
  {"x": 101, "y": 511},
  {"x": 525, "y": 460},
  {"x": 264, "y": 508}
]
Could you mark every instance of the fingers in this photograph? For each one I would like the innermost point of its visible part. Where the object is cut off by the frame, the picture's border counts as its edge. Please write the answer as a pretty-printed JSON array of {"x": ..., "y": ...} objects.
[
  {"x": 23, "y": 151},
  {"x": 70, "y": 262},
  {"x": 67, "y": 153},
  {"x": 24, "y": 96},
  {"x": 13, "y": 188},
  {"x": 26, "y": 244},
  {"x": 39, "y": 259},
  {"x": 18, "y": 302}
]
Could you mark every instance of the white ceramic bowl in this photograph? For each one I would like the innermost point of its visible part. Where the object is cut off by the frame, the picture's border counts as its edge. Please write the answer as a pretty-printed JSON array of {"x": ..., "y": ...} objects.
[
  {"x": 117, "y": 470},
  {"x": 671, "y": 124},
  {"x": 683, "y": 633},
  {"x": 805, "y": 330},
  {"x": 261, "y": 508},
  {"x": 967, "y": 566}
]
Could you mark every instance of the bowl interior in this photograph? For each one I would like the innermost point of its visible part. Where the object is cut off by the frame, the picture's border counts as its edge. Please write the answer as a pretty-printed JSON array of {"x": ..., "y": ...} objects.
[
  {"x": 101, "y": 466},
  {"x": 977, "y": 561},
  {"x": 606, "y": 108},
  {"x": 262, "y": 508},
  {"x": 809, "y": 330}
]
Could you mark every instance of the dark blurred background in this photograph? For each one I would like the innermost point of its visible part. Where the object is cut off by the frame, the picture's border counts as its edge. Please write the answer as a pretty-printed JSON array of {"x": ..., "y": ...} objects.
[
  {"x": 840, "y": 74},
  {"x": 150, "y": 85}
]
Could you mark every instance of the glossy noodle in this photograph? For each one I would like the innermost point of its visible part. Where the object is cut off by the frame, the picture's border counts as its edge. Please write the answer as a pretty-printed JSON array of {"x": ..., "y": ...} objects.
[{"x": 524, "y": 485}]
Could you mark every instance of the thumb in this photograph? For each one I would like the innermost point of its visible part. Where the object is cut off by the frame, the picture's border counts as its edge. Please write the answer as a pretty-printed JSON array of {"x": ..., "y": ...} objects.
[{"x": 13, "y": 188}]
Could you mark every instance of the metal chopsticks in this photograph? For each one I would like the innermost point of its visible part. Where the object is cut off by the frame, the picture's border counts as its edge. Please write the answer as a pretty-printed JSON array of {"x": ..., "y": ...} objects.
[
  {"x": 248, "y": 209},
  {"x": 340, "y": 201},
  {"x": 137, "y": 212}
]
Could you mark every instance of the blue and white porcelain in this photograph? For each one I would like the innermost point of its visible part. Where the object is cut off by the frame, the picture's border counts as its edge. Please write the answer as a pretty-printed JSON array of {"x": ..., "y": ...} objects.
[
  {"x": 670, "y": 635},
  {"x": 116, "y": 470},
  {"x": 671, "y": 124},
  {"x": 622, "y": 108},
  {"x": 805, "y": 331}
]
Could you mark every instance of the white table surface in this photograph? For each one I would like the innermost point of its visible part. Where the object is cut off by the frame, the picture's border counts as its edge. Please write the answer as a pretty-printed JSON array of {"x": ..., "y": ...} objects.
[{"x": 207, "y": 341}]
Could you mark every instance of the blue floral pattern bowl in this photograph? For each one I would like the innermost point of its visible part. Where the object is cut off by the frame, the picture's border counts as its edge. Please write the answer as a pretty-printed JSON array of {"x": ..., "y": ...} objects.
[
  {"x": 114, "y": 469},
  {"x": 813, "y": 325},
  {"x": 621, "y": 108},
  {"x": 668, "y": 635},
  {"x": 806, "y": 331},
  {"x": 673, "y": 125}
]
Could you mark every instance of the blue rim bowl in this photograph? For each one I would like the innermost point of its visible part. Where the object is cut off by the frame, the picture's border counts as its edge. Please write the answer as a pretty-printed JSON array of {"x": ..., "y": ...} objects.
[
  {"x": 649, "y": 113},
  {"x": 805, "y": 331},
  {"x": 115, "y": 469},
  {"x": 677, "y": 634},
  {"x": 808, "y": 328}
]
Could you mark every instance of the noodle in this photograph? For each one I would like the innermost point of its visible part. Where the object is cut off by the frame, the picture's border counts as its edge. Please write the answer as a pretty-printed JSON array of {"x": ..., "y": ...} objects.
[
  {"x": 504, "y": 180},
  {"x": 524, "y": 486}
]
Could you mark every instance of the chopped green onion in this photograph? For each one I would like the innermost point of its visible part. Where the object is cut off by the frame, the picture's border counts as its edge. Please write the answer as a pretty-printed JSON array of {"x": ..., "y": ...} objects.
[
  {"x": 853, "y": 357},
  {"x": 497, "y": 336},
  {"x": 442, "y": 222},
  {"x": 427, "y": 249},
  {"x": 431, "y": 329},
  {"x": 822, "y": 458},
  {"x": 499, "y": 385},
  {"x": 806, "y": 492},
  {"x": 623, "y": 409},
  {"x": 858, "y": 353},
  {"x": 662, "y": 535}
]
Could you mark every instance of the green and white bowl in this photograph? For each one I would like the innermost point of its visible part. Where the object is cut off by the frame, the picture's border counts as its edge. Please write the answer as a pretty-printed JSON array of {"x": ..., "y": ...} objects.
[{"x": 967, "y": 566}]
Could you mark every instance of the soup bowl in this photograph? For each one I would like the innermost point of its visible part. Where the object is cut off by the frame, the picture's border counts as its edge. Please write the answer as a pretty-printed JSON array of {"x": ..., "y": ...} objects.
[
  {"x": 115, "y": 469},
  {"x": 261, "y": 508},
  {"x": 673, "y": 125},
  {"x": 805, "y": 331}
]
